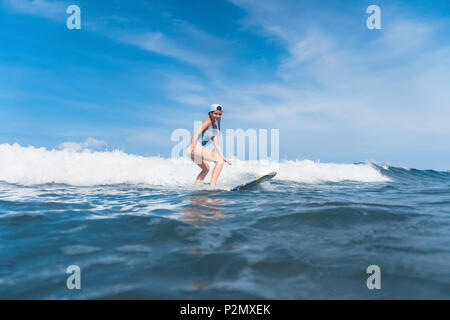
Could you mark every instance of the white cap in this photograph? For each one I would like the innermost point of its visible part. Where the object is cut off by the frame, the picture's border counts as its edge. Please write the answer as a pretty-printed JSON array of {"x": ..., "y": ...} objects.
[{"x": 214, "y": 107}]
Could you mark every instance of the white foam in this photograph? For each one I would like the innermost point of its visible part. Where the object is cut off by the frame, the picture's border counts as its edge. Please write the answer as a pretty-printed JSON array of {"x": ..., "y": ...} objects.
[
  {"x": 30, "y": 166},
  {"x": 308, "y": 171}
]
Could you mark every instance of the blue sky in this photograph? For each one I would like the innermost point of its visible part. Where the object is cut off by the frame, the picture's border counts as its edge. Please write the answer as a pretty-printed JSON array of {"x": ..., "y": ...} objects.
[{"x": 137, "y": 70}]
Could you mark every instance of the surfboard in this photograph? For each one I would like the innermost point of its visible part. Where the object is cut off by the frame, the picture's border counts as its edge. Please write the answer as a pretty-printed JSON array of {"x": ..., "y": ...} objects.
[{"x": 255, "y": 182}]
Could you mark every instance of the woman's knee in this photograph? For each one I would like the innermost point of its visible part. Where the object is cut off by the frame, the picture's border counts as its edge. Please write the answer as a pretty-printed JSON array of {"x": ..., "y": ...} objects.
[{"x": 205, "y": 168}]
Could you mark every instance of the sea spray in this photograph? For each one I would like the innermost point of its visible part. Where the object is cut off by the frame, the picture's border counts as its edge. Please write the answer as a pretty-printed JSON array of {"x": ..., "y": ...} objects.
[{"x": 32, "y": 166}]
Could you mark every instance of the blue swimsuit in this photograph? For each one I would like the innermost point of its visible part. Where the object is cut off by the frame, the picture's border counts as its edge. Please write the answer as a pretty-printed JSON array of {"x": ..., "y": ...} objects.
[{"x": 207, "y": 136}]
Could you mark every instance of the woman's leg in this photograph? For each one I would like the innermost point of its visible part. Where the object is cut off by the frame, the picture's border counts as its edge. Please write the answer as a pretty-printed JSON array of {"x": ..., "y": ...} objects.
[
  {"x": 201, "y": 176},
  {"x": 214, "y": 156},
  {"x": 202, "y": 154},
  {"x": 197, "y": 157},
  {"x": 205, "y": 154},
  {"x": 215, "y": 174}
]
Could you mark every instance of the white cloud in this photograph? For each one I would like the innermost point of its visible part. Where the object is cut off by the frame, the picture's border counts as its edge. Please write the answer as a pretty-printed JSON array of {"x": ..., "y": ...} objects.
[
  {"x": 159, "y": 43},
  {"x": 184, "y": 45},
  {"x": 405, "y": 37},
  {"x": 392, "y": 83},
  {"x": 90, "y": 143},
  {"x": 187, "y": 44}
]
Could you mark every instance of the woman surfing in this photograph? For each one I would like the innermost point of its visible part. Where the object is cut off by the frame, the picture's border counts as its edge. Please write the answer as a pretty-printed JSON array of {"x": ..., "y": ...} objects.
[{"x": 205, "y": 133}]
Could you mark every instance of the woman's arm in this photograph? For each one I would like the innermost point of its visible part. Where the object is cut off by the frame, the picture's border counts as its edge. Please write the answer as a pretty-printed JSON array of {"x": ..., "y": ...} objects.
[
  {"x": 216, "y": 145},
  {"x": 219, "y": 151}
]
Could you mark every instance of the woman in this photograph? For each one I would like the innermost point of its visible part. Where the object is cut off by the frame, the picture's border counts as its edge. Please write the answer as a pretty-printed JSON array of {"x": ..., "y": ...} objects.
[{"x": 209, "y": 130}]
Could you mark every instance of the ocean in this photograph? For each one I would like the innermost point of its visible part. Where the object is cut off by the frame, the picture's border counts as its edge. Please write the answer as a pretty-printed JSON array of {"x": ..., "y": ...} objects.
[{"x": 137, "y": 228}]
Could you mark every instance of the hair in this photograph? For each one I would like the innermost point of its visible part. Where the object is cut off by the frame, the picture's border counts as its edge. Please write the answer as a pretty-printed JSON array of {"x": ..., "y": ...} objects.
[{"x": 213, "y": 123}]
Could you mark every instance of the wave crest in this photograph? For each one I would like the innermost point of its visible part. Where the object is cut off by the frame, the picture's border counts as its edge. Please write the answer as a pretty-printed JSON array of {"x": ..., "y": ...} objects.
[{"x": 32, "y": 166}]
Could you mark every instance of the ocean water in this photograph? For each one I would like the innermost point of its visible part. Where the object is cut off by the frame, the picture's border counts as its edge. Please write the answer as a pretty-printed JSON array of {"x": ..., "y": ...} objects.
[{"x": 138, "y": 229}]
